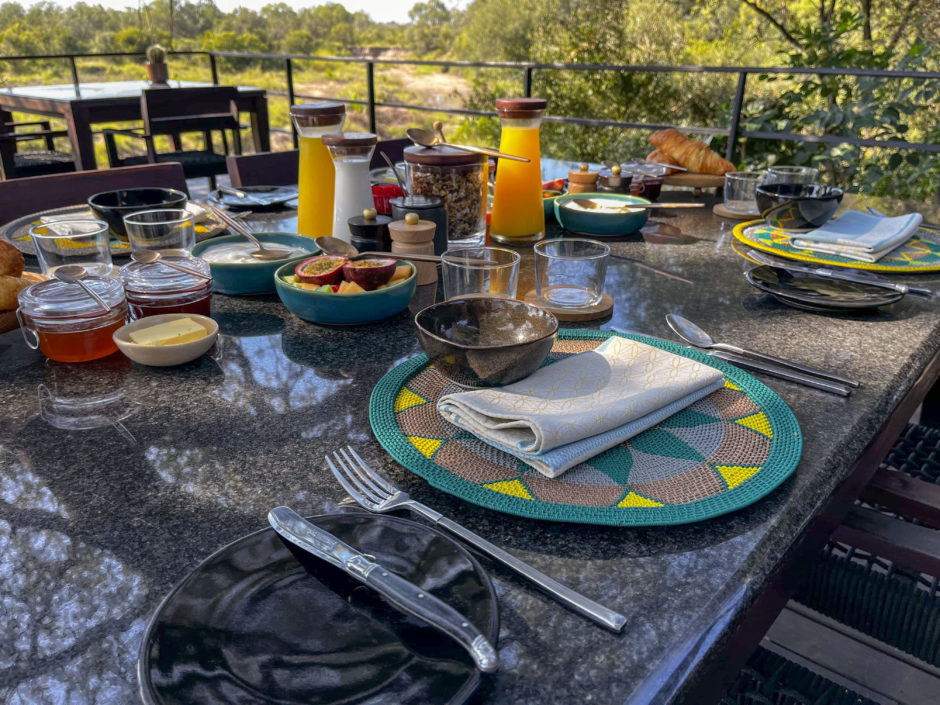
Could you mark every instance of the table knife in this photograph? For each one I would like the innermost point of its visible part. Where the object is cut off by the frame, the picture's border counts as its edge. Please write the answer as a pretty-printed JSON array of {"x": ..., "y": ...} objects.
[
  {"x": 405, "y": 595},
  {"x": 833, "y": 274},
  {"x": 782, "y": 373}
]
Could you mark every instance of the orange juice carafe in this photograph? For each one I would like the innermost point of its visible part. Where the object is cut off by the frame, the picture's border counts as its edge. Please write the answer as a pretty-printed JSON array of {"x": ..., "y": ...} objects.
[
  {"x": 518, "y": 216},
  {"x": 315, "y": 177}
]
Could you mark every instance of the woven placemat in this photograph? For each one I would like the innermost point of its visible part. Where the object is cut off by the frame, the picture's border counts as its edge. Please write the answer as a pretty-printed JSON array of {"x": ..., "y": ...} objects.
[
  {"x": 919, "y": 254},
  {"x": 720, "y": 454}
]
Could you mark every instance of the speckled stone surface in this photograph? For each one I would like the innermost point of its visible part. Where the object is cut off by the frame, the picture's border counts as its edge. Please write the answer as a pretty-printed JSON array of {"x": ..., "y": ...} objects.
[{"x": 98, "y": 522}]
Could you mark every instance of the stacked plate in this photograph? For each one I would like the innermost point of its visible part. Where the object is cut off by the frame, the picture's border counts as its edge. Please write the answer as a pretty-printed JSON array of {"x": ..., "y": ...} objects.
[{"x": 815, "y": 293}]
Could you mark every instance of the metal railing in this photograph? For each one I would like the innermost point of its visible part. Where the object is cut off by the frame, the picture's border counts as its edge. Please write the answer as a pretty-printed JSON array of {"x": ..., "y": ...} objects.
[{"x": 733, "y": 132}]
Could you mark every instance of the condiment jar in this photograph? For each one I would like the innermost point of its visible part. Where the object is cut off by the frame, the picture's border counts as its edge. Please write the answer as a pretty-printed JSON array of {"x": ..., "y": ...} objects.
[
  {"x": 315, "y": 175},
  {"x": 68, "y": 325},
  {"x": 413, "y": 236},
  {"x": 351, "y": 153},
  {"x": 369, "y": 231},
  {"x": 647, "y": 180},
  {"x": 583, "y": 180},
  {"x": 428, "y": 208},
  {"x": 459, "y": 178},
  {"x": 153, "y": 288},
  {"x": 613, "y": 180}
]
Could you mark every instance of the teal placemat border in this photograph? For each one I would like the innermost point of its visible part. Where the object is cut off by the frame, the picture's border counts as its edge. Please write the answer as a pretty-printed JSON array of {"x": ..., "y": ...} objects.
[{"x": 785, "y": 450}]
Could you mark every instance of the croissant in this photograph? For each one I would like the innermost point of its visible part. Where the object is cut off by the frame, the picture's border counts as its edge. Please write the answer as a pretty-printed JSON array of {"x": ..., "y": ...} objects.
[
  {"x": 657, "y": 155},
  {"x": 692, "y": 154}
]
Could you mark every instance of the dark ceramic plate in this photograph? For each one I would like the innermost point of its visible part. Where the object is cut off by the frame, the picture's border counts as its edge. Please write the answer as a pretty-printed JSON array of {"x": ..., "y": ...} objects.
[
  {"x": 258, "y": 622},
  {"x": 814, "y": 293},
  {"x": 259, "y": 197}
]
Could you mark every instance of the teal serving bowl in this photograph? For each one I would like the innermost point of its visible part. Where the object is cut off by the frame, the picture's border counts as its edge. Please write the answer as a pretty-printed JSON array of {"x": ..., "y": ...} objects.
[
  {"x": 344, "y": 309},
  {"x": 255, "y": 277},
  {"x": 598, "y": 222},
  {"x": 549, "y": 196}
]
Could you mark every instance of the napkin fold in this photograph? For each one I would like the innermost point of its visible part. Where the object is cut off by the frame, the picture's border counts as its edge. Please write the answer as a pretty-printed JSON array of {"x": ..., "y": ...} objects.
[
  {"x": 579, "y": 407},
  {"x": 860, "y": 236}
]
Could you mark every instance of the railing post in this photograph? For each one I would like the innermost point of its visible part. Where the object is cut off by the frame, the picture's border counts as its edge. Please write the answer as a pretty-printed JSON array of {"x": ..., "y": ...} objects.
[
  {"x": 736, "y": 116},
  {"x": 74, "y": 69},
  {"x": 370, "y": 78},
  {"x": 527, "y": 82},
  {"x": 289, "y": 71},
  {"x": 214, "y": 68}
]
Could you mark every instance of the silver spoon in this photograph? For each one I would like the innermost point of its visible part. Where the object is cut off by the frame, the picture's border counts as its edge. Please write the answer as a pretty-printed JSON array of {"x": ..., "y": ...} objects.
[
  {"x": 73, "y": 274},
  {"x": 426, "y": 138},
  {"x": 691, "y": 333},
  {"x": 262, "y": 253},
  {"x": 590, "y": 205},
  {"x": 401, "y": 184},
  {"x": 340, "y": 248},
  {"x": 151, "y": 256}
]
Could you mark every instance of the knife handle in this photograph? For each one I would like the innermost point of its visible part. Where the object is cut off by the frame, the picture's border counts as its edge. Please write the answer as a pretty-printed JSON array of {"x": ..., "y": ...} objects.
[
  {"x": 786, "y": 364},
  {"x": 410, "y": 598},
  {"x": 789, "y": 375}
]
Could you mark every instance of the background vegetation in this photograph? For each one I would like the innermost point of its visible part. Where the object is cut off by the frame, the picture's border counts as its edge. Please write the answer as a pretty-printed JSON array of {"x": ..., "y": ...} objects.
[{"x": 791, "y": 33}]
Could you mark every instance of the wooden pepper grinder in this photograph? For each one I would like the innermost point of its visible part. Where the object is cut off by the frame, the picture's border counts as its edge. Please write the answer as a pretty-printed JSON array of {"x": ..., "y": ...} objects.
[
  {"x": 413, "y": 236},
  {"x": 582, "y": 180}
]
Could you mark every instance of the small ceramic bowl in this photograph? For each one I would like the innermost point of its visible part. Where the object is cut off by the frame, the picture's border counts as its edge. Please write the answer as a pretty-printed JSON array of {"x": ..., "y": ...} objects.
[
  {"x": 344, "y": 309},
  {"x": 548, "y": 202},
  {"x": 112, "y": 206},
  {"x": 256, "y": 277},
  {"x": 797, "y": 206},
  {"x": 166, "y": 355},
  {"x": 602, "y": 221},
  {"x": 486, "y": 341}
]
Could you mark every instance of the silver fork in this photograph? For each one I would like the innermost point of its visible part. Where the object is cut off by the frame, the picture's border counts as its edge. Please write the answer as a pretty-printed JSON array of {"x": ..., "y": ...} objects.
[{"x": 375, "y": 493}]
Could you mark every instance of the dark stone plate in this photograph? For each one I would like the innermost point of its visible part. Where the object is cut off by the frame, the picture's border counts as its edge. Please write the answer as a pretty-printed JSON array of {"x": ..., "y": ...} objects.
[{"x": 815, "y": 293}]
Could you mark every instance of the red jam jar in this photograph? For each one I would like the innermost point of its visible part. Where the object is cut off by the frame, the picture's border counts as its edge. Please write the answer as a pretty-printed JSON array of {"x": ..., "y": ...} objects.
[
  {"x": 66, "y": 324},
  {"x": 154, "y": 288}
]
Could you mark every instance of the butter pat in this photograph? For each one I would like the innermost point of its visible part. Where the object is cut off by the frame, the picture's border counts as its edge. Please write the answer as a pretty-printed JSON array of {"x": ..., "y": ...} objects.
[{"x": 182, "y": 330}]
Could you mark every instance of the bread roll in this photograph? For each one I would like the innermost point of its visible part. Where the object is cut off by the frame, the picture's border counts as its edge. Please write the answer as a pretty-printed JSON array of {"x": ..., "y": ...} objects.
[
  {"x": 11, "y": 260},
  {"x": 692, "y": 154},
  {"x": 9, "y": 288}
]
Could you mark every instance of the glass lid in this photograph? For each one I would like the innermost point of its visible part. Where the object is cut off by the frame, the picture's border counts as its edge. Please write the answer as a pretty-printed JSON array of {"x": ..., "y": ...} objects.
[
  {"x": 57, "y": 299},
  {"x": 155, "y": 278}
]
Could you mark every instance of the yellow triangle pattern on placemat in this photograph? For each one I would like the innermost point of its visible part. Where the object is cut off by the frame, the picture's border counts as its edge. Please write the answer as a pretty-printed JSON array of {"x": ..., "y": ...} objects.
[
  {"x": 734, "y": 475},
  {"x": 757, "y": 422},
  {"x": 731, "y": 385},
  {"x": 510, "y": 487},
  {"x": 426, "y": 446},
  {"x": 407, "y": 399},
  {"x": 635, "y": 500}
]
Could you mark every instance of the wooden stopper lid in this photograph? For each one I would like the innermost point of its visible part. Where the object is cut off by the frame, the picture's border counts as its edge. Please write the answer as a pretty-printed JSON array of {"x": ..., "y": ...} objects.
[{"x": 520, "y": 108}]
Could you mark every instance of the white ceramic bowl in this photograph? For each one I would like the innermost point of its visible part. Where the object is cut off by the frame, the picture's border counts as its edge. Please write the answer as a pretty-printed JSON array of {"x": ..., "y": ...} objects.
[{"x": 166, "y": 355}]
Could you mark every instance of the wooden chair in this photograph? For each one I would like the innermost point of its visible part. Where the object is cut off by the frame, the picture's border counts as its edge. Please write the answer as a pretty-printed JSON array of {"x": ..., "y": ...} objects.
[
  {"x": 176, "y": 111},
  {"x": 16, "y": 164},
  {"x": 21, "y": 197}
]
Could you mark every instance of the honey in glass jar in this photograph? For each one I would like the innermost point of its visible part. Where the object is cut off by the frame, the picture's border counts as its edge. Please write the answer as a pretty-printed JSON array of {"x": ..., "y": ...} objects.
[{"x": 153, "y": 288}]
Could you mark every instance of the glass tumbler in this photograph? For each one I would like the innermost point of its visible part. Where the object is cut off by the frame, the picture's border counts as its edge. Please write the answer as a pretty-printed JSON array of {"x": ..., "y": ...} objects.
[
  {"x": 65, "y": 242},
  {"x": 480, "y": 271},
  {"x": 791, "y": 175},
  {"x": 741, "y": 191},
  {"x": 570, "y": 272},
  {"x": 161, "y": 229}
]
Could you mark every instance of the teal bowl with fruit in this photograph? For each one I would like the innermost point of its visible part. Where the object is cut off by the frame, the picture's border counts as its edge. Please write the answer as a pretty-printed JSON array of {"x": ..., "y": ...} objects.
[
  {"x": 235, "y": 272},
  {"x": 336, "y": 291},
  {"x": 600, "y": 213}
]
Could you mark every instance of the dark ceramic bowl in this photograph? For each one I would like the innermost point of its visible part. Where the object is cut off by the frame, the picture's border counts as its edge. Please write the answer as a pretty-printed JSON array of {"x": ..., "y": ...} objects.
[
  {"x": 112, "y": 206},
  {"x": 797, "y": 206},
  {"x": 485, "y": 341}
]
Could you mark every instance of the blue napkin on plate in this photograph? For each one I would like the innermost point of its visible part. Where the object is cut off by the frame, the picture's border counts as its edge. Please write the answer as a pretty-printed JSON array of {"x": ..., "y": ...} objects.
[
  {"x": 579, "y": 407},
  {"x": 860, "y": 236}
]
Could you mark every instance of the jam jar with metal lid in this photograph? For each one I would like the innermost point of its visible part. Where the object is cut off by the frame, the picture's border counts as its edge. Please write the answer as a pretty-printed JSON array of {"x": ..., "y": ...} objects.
[
  {"x": 154, "y": 288},
  {"x": 67, "y": 324}
]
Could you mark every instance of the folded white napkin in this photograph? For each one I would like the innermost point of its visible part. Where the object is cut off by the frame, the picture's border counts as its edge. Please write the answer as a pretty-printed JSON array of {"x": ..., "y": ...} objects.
[
  {"x": 579, "y": 407},
  {"x": 860, "y": 236}
]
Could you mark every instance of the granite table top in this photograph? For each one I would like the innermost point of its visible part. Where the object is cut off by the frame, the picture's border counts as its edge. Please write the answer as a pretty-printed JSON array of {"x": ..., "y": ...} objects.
[{"x": 99, "y": 520}]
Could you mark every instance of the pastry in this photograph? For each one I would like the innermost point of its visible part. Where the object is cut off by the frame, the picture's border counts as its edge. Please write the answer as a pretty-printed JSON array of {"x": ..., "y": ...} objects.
[
  {"x": 692, "y": 154},
  {"x": 9, "y": 288},
  {"x": 661, "y": 157},
  {"x": 11, "y": 260}
]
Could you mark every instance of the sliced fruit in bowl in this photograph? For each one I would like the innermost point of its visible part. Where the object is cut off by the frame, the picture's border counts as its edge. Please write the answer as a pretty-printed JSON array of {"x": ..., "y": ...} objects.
[
  {"x": 323, "y": 269},
  {"x": 370, "y": 273}
]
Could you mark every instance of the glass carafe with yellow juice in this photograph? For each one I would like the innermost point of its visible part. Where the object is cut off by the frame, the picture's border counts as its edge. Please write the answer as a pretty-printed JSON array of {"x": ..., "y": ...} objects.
[
  {"x": 518, "y": 216},
  {"x": 315, "y": 176}
]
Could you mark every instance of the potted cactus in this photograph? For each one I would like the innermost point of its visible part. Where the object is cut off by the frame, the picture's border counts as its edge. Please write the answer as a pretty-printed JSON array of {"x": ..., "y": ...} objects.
[{"x": 157, "y": 70}]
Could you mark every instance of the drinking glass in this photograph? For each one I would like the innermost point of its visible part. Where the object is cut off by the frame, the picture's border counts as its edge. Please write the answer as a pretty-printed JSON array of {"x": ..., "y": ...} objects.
[
  {"x": 82, "y": 242},
  {"x": 791, "y": 175},
  {"x": 741, "y": 191},
  {"x": 570, "y": 272},
  {"x": 480, "y": 271},
  {"x": 161, "y": 229}
]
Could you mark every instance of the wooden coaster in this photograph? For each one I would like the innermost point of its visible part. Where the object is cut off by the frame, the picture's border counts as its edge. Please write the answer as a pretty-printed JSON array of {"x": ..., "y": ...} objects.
[
  {"x": 722, "y": 212},
  {"x": 599, "y": 310}
]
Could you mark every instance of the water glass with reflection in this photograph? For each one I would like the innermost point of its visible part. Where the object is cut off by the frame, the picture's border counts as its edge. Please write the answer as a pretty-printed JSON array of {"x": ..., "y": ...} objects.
[
  {"x": 480, "y": 271},
  {"x": 161, "y": 229},
  {"x": 82, "y": 242},
  {"x": 570, "y": 272}
]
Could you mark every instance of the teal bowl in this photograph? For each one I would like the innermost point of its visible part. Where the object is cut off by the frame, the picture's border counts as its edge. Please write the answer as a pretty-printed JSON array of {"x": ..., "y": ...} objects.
[
  {"x": 589, "y": 222},
  {"x": 344, "y": 309},
  {"x": 255, "y": 277},
  {"x": 548, "y": 203}
]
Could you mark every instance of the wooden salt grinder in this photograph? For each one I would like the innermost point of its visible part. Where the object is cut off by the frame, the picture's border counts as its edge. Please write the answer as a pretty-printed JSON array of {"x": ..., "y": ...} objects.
[
  {"x": 582, "y": 180},
  {"x": 413, "y": 236}
]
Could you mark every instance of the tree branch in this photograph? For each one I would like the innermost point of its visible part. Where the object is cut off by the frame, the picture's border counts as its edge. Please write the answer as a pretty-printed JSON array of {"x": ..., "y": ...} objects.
[
  {"x": 770, "y": 18},
  {"x": 902, "y": 25}
]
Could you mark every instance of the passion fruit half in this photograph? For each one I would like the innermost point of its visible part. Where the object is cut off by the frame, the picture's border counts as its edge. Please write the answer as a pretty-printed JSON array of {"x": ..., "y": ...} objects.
[
  {"x": 323, "y": 269},
  {"x": 370, "y": 273}
]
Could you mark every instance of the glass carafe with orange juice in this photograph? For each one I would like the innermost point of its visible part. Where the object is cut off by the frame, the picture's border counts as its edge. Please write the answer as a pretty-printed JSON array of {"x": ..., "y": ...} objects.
[
  {"x": 518, "y": 216},
  {"x": 315, "y": 177}
]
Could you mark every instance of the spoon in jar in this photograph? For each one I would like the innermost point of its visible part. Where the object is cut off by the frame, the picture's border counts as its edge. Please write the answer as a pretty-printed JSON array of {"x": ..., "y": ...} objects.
[
  {"x": 151, "y": 256},
  {"x": 339, "y": 248},
  {"x": 426, "y": 138},
  {"x": 262, "y": 253},
  {"x": 401, "y": 184},
  {"x": 73, "y": 274}
]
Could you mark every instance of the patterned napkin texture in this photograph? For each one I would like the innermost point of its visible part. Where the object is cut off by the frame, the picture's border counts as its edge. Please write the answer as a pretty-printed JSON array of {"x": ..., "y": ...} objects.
[
  {"x": 860, "y": 236},
  {"x": 579, "y": 407}
]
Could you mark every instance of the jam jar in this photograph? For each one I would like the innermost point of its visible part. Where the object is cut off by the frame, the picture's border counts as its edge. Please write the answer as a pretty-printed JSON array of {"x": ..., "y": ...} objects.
[
  {"x": 68, "y": 325},
  {"x": 153, "y": 288}
]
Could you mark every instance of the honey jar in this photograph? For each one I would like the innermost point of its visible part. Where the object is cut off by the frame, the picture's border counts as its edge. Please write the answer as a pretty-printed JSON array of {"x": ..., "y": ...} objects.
[{"x": 154, "y": 288}]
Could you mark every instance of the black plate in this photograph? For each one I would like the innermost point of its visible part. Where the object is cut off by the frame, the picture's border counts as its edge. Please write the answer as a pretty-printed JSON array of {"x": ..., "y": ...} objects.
[
  {"x": 258, "y": 622},
  {"x": 268, "y": 197},
  {"x": 814, "y": 293}
]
